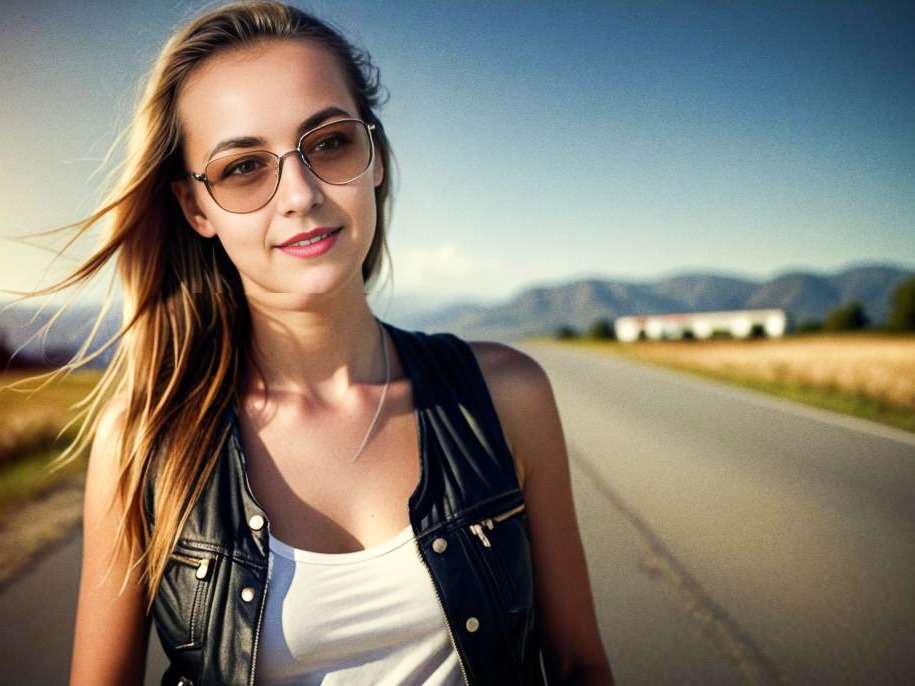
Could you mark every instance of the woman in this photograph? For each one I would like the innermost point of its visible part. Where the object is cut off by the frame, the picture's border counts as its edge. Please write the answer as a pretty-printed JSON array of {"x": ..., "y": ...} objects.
[{"x": 292, "y": 490}]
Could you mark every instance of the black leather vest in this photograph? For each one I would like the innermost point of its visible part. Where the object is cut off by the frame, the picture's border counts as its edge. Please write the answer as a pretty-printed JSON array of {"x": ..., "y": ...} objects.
[{"x": 467, "y": 514}]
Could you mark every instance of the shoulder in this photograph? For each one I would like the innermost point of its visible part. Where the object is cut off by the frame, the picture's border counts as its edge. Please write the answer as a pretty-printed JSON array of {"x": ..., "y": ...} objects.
[
  {"x": 523, "y": 398},
  {"x": 101, "y": 476},
  {"x": 111, "y": 419},
  {"x": 110, "y": 427},
  {"x": 509, "y": 373}
]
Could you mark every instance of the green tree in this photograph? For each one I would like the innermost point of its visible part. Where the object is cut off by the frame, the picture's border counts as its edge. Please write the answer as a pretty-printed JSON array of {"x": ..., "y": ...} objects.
[
  {"x": 565, "y": 332},
  {"x": 601, "y": 328},
  {"x": 846, "y": 318},
  {"x": 902, "y": 312},
  {"x": 809, "y": 326}
]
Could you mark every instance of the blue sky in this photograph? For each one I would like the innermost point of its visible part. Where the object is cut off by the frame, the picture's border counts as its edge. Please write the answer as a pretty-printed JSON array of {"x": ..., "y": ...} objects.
[{"x": 539, "y": 142}]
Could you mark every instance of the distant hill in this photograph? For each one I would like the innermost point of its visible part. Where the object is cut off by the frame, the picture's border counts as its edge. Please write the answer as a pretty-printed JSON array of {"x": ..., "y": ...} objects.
[
  {"x": 20, "y": 332},
  {"x": 542, "y": 309}
]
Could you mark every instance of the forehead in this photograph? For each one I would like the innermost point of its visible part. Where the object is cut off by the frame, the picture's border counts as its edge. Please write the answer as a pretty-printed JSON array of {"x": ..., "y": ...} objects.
[{"x": 261, "y": 91}]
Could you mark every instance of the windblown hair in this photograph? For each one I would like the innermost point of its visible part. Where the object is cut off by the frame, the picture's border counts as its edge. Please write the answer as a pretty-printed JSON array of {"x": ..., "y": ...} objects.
[{"x": 186, "y": 327}]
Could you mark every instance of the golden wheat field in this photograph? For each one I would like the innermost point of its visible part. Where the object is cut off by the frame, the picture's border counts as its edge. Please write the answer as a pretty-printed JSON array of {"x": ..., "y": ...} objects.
[
  {"x": 882, "y": 368},
  {"x": 30, "y": 422}
]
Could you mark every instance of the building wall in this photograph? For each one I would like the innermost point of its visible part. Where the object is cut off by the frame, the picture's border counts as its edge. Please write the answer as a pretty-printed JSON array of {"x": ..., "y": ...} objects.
[{"x": 701, "y": 325}]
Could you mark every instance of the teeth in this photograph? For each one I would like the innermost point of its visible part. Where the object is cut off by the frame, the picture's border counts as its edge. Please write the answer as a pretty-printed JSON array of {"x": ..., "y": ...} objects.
[{"x": 314, "y": 239}]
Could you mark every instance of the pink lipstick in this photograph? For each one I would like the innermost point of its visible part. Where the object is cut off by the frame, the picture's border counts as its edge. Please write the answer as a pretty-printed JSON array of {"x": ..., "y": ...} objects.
[{"x": 312, "y": 243}]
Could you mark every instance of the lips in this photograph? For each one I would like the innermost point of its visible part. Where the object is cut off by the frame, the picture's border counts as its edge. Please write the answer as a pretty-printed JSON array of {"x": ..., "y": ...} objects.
[
  {"x": 309, "y": 237},
  {"x": 311, "y": 244}
]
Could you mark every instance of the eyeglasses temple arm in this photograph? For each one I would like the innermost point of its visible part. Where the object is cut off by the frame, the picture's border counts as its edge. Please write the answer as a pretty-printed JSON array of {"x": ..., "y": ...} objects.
[{"x": 194, "y": 175}]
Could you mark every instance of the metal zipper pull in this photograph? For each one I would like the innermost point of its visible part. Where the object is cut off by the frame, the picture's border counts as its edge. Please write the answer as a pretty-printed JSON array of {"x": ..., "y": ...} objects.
[
  {"x": 511, "y": 513},
  {"x": 202, "y": 564},
  {"x": 490, "y": 524},
  {"x": 477, "y": 530}
]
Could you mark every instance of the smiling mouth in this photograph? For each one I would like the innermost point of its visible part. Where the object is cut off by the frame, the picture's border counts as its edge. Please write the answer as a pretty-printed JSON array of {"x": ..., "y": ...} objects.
[{"x": 313, "y": 239}]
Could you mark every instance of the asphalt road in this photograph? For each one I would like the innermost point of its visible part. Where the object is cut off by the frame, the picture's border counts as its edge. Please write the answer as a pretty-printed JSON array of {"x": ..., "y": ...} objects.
[
  {"x": 790, "y": 532},
  {"x": 731, "y": 538}
]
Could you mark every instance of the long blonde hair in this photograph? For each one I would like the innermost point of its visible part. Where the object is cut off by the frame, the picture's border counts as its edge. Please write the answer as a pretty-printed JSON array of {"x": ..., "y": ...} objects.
[{"x": 186, "y": 327}]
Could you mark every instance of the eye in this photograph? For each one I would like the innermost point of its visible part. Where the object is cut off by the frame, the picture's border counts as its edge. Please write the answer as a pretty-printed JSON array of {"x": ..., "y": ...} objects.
[
  {"x": 241, "y": 169},
  {"x": 247, "y": 165},
  {"x": 330, "y": 143}
]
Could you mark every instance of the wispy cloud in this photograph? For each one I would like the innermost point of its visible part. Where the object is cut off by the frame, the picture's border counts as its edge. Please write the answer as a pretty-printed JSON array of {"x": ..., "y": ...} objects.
[{"x": 447, "y": 270}]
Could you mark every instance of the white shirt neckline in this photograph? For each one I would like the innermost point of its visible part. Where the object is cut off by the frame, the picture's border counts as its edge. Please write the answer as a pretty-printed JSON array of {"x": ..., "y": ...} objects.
[{"x": 310, "y": 557}]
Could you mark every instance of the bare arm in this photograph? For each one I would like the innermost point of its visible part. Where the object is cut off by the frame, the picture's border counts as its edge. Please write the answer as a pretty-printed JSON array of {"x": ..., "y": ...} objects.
[
  {"x": 109, "y": 647},
  {"x": 570, "y": 640}
]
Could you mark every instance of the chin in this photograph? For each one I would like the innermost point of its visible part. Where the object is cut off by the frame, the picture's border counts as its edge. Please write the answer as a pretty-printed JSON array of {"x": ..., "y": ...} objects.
[{"x": 314, "y": 290}]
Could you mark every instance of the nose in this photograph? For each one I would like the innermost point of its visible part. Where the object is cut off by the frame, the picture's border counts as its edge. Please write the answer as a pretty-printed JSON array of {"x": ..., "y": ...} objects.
[{"x": 299, "y": 190}]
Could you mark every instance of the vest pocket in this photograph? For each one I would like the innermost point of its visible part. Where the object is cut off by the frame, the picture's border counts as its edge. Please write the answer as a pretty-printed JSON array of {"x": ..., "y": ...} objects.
[
  {"x": 503, "y": 548},
  {"x": 186, "y": 590}
]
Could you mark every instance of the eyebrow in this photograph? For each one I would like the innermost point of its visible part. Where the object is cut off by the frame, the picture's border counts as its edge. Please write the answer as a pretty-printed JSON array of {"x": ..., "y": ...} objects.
[{"x": 256, "y": 141}]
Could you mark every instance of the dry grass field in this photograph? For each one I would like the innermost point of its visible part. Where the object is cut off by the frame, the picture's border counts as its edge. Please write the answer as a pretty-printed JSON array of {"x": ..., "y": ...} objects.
[
  {"x": 866, "y": 374},
  {"x": 880, "y": 368},
  {"x": 30, "y": 424}
]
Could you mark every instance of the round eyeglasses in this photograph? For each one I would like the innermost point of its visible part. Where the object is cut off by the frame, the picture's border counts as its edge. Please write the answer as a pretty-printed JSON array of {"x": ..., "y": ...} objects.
[{"x": 337, "y": 152}]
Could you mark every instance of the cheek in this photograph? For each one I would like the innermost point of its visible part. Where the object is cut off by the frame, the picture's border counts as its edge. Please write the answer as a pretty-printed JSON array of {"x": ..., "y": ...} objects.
[
  {"x": 356, "y": 206},
  {"x": 370, "y": 216},
  {"x": 241, "y": 238},
  {"x": 367, "y": 209}
]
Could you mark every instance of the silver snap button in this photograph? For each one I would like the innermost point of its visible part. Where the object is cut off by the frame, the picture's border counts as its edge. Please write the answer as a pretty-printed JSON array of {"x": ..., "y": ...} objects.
[
  {"x": 247, "y": 594},
  {"x": 472, "y": 624},
  {"x": 439, "y": 545},
  {"x": 184, "y": 681},
  {"x": 256, "y": 522}
]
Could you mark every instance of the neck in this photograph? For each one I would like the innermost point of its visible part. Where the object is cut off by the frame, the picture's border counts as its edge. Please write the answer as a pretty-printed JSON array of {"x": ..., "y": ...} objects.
[{"x": 316, "y": 352}]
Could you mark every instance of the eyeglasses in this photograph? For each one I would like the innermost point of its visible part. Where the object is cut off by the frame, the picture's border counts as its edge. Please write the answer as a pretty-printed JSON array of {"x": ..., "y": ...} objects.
[{"x": 337, "y": 152}]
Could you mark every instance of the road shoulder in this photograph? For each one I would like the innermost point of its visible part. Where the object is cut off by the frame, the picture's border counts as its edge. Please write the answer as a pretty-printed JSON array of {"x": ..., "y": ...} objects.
[{"x": 36, "y": 527}]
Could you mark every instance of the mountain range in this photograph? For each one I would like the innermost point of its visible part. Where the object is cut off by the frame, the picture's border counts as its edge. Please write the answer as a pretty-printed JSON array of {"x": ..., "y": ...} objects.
[
  {"x": 804, "y": 295},
  {"x": 540, "y": 310}
]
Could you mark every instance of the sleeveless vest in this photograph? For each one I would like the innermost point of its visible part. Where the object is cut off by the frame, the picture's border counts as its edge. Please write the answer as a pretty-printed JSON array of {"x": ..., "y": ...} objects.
[{"x": 467, "y": 514}]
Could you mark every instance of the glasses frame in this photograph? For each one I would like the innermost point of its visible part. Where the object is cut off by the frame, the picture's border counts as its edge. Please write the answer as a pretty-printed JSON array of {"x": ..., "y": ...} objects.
[{"x": 204, "y": 179}]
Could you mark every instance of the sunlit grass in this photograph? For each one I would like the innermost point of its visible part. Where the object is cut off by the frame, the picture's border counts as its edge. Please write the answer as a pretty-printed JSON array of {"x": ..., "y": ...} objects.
[
  {"x": 29, "y": 476},
  {"x": 30, "y": 432}
]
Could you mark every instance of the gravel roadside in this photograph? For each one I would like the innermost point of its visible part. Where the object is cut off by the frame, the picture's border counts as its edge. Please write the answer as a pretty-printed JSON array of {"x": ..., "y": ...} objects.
[{"x": 32, "y": 528}]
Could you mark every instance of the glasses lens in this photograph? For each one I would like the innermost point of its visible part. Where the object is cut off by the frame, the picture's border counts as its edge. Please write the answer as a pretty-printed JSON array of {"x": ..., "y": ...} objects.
[
  {"x": 338, "y": 152},
  {"x": 242, "y": 182}
]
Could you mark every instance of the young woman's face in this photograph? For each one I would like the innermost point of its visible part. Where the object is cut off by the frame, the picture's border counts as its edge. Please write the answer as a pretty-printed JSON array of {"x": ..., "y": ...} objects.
[{"x": 270, "y": 95}]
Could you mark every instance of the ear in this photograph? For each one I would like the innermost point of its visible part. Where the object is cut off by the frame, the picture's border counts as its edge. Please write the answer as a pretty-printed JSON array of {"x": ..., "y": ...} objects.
[{"x": 184, "y": 192}]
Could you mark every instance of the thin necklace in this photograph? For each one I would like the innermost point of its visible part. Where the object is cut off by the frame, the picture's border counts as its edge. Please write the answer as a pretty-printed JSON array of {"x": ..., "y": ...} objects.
[{"x": 384, "y": 391}]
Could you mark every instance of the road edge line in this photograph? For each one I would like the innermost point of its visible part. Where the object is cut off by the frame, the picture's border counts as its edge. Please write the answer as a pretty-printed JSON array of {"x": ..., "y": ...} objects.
[{"x": 724, "y": 632}]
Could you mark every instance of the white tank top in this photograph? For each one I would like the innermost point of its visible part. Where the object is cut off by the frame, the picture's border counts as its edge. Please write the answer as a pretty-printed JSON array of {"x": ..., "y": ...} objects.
[{"x": 354, "y": 619}]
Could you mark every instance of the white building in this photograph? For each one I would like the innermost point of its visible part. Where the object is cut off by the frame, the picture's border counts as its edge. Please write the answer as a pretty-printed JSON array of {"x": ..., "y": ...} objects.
[{"x": 738, "y": 323}]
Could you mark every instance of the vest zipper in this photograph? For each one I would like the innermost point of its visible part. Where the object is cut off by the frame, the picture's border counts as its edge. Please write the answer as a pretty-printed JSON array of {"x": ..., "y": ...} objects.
[
  {"x": 257, "y": 628},
  {"x": 202, "y": 564},
  {"x": 489, "y": 524},
  {"x": 441, "y": 607},
  {"x": 260, "y": 614}
]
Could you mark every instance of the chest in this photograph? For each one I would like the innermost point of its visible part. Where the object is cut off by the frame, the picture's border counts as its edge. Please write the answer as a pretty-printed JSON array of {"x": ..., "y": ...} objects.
[
  {"x": 353, "y": 618},
  {"x": 301, "y": 470}
]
